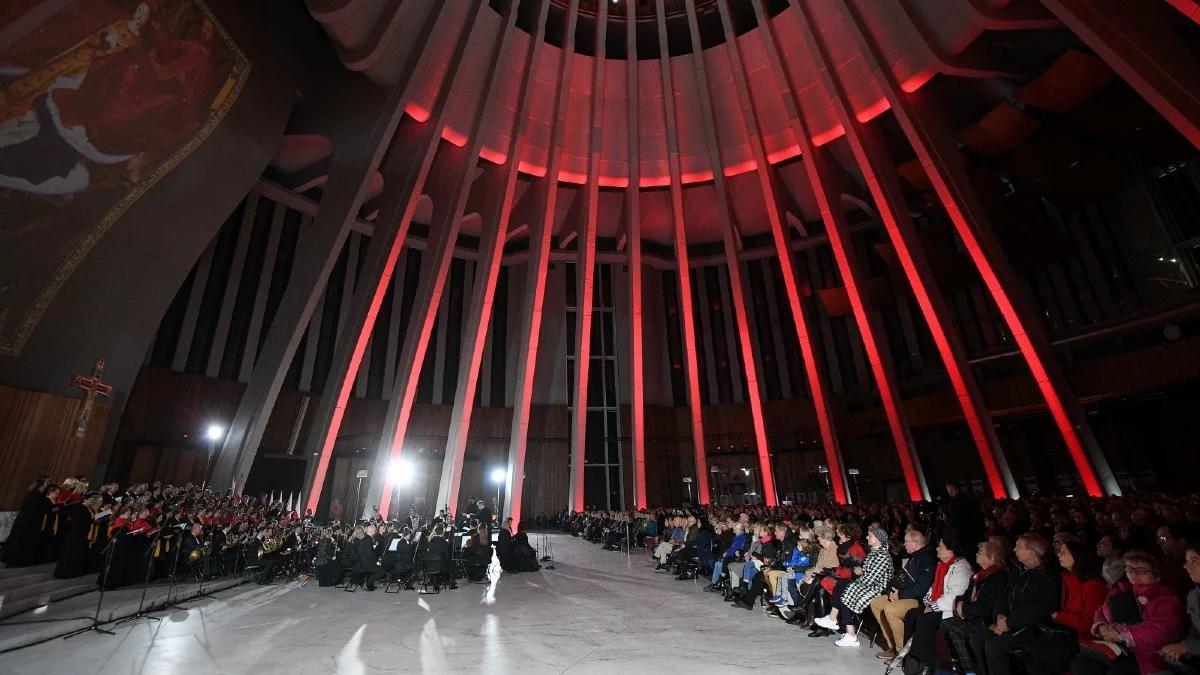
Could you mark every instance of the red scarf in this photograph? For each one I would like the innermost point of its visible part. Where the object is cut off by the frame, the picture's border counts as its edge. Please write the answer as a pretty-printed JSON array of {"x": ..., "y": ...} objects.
[{"x": 939, "y": 575}]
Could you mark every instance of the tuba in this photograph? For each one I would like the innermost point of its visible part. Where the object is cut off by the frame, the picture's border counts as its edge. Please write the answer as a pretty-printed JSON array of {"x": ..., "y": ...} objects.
[{"x": 203, "y": 552}]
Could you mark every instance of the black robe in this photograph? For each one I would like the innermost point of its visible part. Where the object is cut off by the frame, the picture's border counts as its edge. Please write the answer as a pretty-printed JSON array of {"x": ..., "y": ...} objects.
[
  {"x": 97, "y": 549},
  {"x": 24, "y": 540},
  {"x": 73, "y": 558}
]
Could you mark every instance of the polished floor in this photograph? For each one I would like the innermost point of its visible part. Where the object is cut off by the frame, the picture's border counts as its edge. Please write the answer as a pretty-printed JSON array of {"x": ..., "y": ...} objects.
[{"x": 595, "y": 612}]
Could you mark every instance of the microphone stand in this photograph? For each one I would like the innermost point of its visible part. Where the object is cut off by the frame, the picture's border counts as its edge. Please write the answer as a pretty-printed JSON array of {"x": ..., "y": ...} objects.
[
  {"x": 95, "y": 625},
  {"x": 200, "y": 591},
  {"x": 143, "y": 613},
  {"x": 174, "y": 580}
]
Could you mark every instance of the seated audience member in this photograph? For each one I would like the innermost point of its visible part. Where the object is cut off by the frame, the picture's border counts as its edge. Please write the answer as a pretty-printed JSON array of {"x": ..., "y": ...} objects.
[
  {"x": 786, "y": 541},
  {"x": 951, "y": 578},
  {"x": 811, "y": 591},
  {"x": 1111, "y": 550},
  {"x": 1139, "y": 618},
  {"x": 852, "y": 599},
  {"x": 795, "y": 564},
  {"x": 673, "y": 540},
  {"x": 731, "y": 555},
  {"x": 974, "y": 613},
  {"x": 1183, "y": 657},
  {"x": 1052, "y": 646},
  {"x": 909, "y": 586},
  {"x": 1172, "y": 541},
  {"x": 754, "y": 571},
  {"x": 1031, "y": 597},
  {"x": 757, "y": 531}
]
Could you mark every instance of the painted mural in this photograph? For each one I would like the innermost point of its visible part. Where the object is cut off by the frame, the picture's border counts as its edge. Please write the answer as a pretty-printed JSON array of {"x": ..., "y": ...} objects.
[{"x": 99, "y": 100}]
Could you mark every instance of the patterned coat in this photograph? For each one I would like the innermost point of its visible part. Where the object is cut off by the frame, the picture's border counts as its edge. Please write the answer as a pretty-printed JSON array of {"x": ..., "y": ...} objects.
[{"x": 877, "y": 573}]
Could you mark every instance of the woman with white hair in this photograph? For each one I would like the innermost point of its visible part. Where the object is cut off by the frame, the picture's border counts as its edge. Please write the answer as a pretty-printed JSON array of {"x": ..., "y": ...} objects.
[{"x": 853, "y": 598}]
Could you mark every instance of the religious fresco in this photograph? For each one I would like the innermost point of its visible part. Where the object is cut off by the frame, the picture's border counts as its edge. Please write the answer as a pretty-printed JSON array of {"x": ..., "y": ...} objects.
[{"x": 99, "y": 100}]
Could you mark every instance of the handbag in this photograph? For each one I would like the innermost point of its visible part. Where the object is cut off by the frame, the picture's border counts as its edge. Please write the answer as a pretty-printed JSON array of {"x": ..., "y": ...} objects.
[{"x": 1054, "y": 631}]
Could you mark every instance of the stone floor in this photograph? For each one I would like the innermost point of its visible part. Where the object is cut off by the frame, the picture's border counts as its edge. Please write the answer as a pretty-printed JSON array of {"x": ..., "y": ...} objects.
[{"x": 595, "y": 612}]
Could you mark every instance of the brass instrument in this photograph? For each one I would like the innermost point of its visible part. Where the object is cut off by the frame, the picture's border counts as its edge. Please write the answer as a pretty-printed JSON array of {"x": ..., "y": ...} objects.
[
  {"x": 203, "y": 552},
  {"x": 270, "y": 545}
]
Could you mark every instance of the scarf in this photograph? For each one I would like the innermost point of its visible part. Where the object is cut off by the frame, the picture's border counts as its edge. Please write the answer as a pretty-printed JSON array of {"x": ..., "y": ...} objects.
[{"x": 939, "y": 575}]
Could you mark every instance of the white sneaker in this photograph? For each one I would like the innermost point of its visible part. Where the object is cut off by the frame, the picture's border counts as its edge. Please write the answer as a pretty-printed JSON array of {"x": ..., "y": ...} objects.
[
  {"x": 847, "y": 641},
  {"x": 826, "y": 622}
]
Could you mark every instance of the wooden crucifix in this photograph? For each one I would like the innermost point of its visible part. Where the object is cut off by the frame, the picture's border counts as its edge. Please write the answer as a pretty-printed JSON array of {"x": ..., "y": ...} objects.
[{"x": 93, "y": 387}]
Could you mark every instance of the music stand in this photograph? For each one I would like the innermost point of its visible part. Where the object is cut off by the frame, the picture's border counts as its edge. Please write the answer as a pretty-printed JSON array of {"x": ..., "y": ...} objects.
[
  {"x": 94, "y": 627},
  {"x": 142, "y": 612}
]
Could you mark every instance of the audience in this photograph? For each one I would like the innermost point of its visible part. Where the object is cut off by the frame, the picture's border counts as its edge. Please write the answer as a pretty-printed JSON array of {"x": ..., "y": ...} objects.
[
  {"x": 1048, "y": 589},
  {"x": 951, "y": 578},
  {"x": 1136, "y": 621}
]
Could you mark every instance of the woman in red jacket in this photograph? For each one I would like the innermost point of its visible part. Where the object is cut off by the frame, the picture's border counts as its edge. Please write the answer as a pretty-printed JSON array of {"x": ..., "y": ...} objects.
[
  {"x": 1082, "y": 592},
  {"x": 1083, "y": 589}
]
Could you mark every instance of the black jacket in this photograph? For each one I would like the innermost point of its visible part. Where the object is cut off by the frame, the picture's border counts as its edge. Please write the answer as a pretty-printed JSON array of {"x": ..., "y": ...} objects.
[
  {"x": 985, "y": 598},
  {"x": 365, "y": 548},
  {"x": 1030, "y": 598},
  {"x": 918, "y": 574},
  {"x": 437, "y": 549}
]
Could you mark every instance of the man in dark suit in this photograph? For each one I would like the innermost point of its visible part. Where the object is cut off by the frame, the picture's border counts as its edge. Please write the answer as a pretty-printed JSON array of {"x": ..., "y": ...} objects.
[{"x": 368, "y": 559}]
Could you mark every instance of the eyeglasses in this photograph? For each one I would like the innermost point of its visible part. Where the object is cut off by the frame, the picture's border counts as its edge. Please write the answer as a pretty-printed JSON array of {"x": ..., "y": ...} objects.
[{"x": 1139, "y": 571}]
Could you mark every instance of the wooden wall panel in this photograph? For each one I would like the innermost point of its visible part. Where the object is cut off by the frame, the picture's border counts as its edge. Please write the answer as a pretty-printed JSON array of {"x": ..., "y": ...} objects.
[{"x": 37, "y": 436}]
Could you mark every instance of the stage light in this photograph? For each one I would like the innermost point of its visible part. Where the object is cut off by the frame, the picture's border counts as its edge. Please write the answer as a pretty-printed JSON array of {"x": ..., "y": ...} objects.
[
  {"x": 215, "y": 432},
  {"x": 401, "y": 472},
  {"x": 499, "y": 475}
]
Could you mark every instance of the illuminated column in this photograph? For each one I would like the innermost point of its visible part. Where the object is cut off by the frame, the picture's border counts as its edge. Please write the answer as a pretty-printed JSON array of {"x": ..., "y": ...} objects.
[
  {"x": 880, "y": 177},
  {"x": 936, "y": 149},
  {"x": 637, "y": 388},
  {"x": 732, "y": 249},
  {"x": 496, "y": 196},
  {"x": 1190, "y": 8},
  {"x": 870, "y": 328},
  {"x": 453, "y": 173},
  {"x": 535, "y": 281},
  {"x": 357, "y": 154},
  {"x": 585, "y": 267},
  {"x": 1134, "y": 41},
  {"x": 812, "y": 372},
  {"x": 687, "y": 323}
]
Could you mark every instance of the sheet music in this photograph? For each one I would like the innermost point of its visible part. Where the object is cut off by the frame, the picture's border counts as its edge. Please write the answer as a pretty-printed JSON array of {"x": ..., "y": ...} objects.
[{"x": 395, "y": 542}]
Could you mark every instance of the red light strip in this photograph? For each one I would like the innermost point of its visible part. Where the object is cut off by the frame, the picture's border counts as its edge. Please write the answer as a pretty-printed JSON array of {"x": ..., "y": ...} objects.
[
  {"x": 812, "y": 372},
  {"x": 840, "y": 242},
  {"x": 874, "y": 163},
  {"x": 932, "y": 143},
  {"x": 745, "y": 343},
  {"x": 585, "y": 269},
  {"x": 687, "y": 322},
  {"x": 411, "y": 171},
  {"x": 498, "y": 210},
  {"x": 1189, "y": 8},
  {"x": 637, "y": 385},
  {"x": 1146, "y": 54},
  {"x": 539, "y": 259}
]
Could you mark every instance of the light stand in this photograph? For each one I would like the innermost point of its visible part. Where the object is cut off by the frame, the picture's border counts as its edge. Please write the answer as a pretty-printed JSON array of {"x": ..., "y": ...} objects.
[
  {"x": 94, "y": 627},
  {"x": 213, "y": 434},
  {"x": 688, "y": 481},
  {"x": 362, "y": 473}
]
